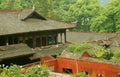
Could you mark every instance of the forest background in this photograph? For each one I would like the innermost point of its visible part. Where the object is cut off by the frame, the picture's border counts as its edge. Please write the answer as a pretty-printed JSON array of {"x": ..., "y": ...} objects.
[{"x": 90, "y": 15}]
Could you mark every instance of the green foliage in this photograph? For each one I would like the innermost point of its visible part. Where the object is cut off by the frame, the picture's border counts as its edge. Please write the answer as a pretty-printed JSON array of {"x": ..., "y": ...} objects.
[
  {"x": 15, "y": 71},
  {"x": 84, "y": 11},
  {"x": 37, "y": 71},
  {"x": 78, "y": 48},
  {"x": 12, "y": 71},
  {"x": 72, "y": 47},
  {"x": 109, "y": 20},
  {"x": 107, "y": 54},
  {"x": 97, "y": 24},
  {"x": 81, "y": 75},
  {"x": 61, "y": 11},
  {"x": 98, "y": 51},
  {"x": 116, "y": 55},
  {"x": 15, "y": 4},
  {"x": 101, "y": 52}
]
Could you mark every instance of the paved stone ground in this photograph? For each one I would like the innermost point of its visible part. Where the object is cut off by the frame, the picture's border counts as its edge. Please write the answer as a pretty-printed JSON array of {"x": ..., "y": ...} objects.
[{"x": 53, "y": 74}]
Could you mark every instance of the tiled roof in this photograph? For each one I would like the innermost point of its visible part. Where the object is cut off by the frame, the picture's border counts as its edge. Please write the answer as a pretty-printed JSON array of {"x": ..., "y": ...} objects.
[
  {"x": 11, "y": 51},
  {"x": 27, "y": 20},
  {"x": 81, "y": 37}
]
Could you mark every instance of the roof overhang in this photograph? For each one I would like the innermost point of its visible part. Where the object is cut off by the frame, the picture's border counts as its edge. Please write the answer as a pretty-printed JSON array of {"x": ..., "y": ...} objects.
[{"x": 17, "y": 50}]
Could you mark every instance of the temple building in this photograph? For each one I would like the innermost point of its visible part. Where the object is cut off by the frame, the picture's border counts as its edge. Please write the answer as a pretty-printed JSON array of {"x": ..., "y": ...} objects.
[
  {"x": 27, "y": 26},
  {"x": 22, "y": 30}
]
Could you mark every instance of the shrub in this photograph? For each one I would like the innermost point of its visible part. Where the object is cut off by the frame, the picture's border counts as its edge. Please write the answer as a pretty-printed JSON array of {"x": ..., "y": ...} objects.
[
  {"x": 12, "y": 71},
  {"x": 116, "y": 54},
  {"x": 107, "y": 54},
  {"x": 37, "y": 71},
  {"x": 15, "y": 71},
  {"x": 72, "y": 47},
  {"x": 78, "y": 48},
  {"x": 101, "y": 52},
  {"x": 98, "y": 51}
]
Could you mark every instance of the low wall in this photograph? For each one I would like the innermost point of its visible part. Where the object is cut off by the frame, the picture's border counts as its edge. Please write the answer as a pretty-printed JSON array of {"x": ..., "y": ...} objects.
[{"x": 94, "y": 69}]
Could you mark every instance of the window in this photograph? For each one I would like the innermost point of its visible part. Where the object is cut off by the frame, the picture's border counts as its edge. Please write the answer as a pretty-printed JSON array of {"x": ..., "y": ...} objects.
[{"x": 66, "y": 70}]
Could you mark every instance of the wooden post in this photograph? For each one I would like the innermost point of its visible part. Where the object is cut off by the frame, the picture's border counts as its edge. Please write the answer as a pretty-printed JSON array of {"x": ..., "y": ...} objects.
[
  {"x": 65, "y": 37},
  {"x": 56, "y": 39},
  {"x": 7, "y": 41},
  {"x": 61, "y": 37},
  {"x": 40, "y": 41},
  {"x": 46, "y": 40},
  {"x": 34, "y": 41}
]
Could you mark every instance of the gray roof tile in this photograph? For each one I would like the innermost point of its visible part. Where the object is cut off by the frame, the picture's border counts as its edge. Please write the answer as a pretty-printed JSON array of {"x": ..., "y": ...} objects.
[
  {"x": 11, "y": 23},
  {"x": 11, "y": 51}
]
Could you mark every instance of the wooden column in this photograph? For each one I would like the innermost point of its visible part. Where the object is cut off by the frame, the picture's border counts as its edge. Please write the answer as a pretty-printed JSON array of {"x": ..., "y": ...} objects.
[
  {"x": 61, "y": 37},
  {"x": 34, "y": 41},
  {"x": 40, "y": 41},
  {"x": 65, "y": 37},
  {"x": 7, "y": 41},
  {"x": 56, "y": 39},
  {"x": 46, "y": 40}
]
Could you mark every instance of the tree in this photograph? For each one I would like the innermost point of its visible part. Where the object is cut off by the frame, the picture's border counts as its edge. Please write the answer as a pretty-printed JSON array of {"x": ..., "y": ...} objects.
[
  {"x": 98, "y": 24},
  {"x": 45, "y": 7},
  {"x": 109, "y": 20},
  {"x": 113, "y": 13},
  {"x": 15, "y": 4},
  {"x": 62, "y": 12},
  {"x": 3, "y": 4},
  {"x": 83, "y": 12}
]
